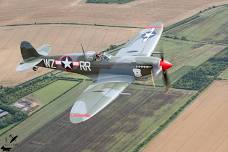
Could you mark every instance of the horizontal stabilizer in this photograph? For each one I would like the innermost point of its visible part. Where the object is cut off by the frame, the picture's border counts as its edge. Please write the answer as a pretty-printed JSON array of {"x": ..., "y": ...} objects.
[
  {"x": 28, "y": 65},
  {"x": 44, "y": 49}
]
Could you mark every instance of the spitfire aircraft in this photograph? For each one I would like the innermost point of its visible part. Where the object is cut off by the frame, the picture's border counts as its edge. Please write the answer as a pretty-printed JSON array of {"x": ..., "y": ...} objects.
[{"x": 111, "y": 74}]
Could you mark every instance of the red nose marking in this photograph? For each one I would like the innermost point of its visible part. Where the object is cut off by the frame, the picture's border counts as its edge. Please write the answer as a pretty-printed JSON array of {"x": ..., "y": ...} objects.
[{"x": 165, "y": 65}]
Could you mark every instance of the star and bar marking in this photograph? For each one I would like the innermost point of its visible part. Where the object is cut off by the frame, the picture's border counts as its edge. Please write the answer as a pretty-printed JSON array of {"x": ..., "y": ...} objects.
[
  {"x": 67, "y": 63},
  {"x": 149, "y": 34}
]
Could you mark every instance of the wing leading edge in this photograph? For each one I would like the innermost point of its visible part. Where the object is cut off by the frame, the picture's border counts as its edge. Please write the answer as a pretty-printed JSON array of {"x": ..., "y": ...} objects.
[
  {"x": 95, "y": 98},
  {"x": 144, "y": 43}
]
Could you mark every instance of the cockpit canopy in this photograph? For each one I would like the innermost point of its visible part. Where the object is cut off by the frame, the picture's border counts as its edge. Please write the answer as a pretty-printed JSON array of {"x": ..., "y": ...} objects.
[
  {"x": 106, "y": 56},
  {"x": 93, "y": 56}
]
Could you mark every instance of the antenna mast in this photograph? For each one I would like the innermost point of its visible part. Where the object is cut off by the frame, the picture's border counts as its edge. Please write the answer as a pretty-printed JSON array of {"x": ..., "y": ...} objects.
[{"x": 83, "y": 52}]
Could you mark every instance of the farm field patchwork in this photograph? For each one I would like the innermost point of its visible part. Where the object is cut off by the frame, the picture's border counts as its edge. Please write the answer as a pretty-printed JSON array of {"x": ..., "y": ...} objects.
[
  {"x": 184, "y": 55},
  {"x": 181, "y": 53},
  {"x": 52, "y": 108},
  {"x": 209, "y": 26},
  {"x": 125, "y": 122},
  {"x": 201, "y": 127},
  {"x": 129, "y": 120},
  {"x": 50, "y": 92},
  {"x": 224, "y": 75}
]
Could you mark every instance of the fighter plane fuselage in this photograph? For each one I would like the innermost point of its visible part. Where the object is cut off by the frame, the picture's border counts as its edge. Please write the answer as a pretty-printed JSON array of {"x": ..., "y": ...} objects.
[{"x": 135, "y": 66}]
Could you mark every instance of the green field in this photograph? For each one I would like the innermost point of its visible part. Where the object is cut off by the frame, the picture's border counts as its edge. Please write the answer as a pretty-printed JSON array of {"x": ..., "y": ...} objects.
[
  {"x": 184, "y": 53},
  {"x": 72, "y": 75},
  {"x": 224, "y": 75},
  {"x": 210, "y": 26},
  {"x": 147, "y": 124},
  {"x": 184, "y": 56},
  {"x": 50, "y": 92},
  {"x": 119, "y": 127},
  {"x": 57, "y": 102}
]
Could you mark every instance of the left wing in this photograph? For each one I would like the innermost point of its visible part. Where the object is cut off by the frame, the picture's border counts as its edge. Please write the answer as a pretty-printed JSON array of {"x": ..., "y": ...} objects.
[
  {"x": 96, "y": 97},
  {"x": 144, "y": 43}
]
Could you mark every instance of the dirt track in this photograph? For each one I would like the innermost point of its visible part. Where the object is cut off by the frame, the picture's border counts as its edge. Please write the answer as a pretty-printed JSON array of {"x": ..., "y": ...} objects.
[{"x": 201, "y": 128}]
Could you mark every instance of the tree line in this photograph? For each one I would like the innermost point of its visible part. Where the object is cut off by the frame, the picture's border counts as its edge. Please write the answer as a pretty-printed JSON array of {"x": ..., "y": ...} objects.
[{"x": 201, "y": 76}]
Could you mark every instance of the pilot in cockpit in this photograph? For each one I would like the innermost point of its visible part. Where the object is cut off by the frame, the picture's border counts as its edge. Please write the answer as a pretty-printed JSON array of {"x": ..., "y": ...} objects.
[
  {"x": 102, "y": 56},
  {"x": 94, "y": 56}
]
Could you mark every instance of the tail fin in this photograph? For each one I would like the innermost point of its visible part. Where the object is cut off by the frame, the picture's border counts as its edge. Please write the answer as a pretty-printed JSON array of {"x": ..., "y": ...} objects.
[
  {"x": 30, "y": 56},
  {"x": 28, "y": 52}
]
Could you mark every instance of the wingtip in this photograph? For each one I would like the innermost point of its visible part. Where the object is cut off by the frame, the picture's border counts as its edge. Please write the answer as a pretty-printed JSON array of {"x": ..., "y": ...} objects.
[
  {"x": 155, "y": 25},
  {"x": 79, "y": 112},
  {"x": 77, "y": 118},
  {"x": 20, "y": 68}
]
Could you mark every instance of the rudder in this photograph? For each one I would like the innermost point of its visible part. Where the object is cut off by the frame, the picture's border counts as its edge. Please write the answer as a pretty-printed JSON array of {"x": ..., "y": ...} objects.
[
  {"x": 28, "y": 51},
  {"x": 30, "y": 57}
]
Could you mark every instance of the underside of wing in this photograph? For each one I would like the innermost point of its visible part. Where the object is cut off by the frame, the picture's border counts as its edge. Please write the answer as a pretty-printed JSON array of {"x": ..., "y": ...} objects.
[
  {"x": 144, "y": 43},
  {"x": 96, "y": 97},
  {"x": 28, "y": 64}
]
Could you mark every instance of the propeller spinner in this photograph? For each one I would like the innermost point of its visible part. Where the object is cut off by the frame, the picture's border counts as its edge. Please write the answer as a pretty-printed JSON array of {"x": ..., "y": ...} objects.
[{"x": 163, "y": 66}]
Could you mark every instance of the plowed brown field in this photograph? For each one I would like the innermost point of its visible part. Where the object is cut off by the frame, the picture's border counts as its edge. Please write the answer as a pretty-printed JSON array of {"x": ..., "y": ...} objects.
[
  {"x": 201, "y": 128},
  {"x": 137, "y": 13}
]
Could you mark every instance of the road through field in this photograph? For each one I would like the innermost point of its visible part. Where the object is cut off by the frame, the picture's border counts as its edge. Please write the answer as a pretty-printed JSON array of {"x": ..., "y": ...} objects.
[{"x": 201, "y": 128}]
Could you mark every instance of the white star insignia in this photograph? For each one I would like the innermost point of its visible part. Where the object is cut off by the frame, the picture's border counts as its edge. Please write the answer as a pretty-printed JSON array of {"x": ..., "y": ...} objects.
[
  {"x": 148, "y": 34},
  {"x": 67, "y": 63}
]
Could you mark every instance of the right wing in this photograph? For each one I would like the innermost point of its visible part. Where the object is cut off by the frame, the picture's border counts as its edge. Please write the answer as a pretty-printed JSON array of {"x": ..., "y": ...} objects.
[
  {"x": 97, "y": 96},
  {"x": 144, "y": 43}
]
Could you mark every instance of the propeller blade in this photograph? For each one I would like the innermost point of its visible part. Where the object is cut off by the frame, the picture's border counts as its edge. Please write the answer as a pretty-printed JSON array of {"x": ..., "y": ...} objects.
[
  {"x": 162, "y": 56},
  {"x": 83, "y": 52},
  {"x": 164, "y": 66},
  {"x": 166, "y": 80},
  {"x": 152, "y": 78}
]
